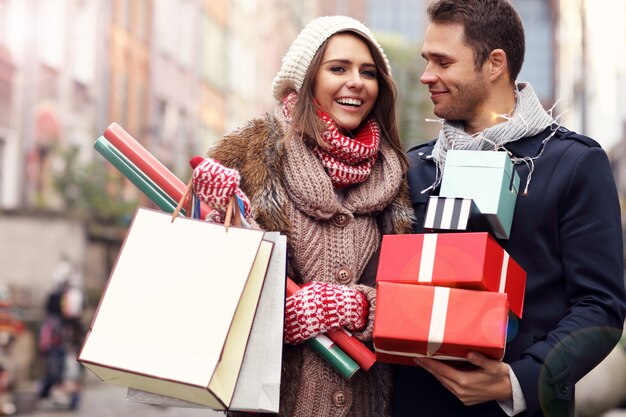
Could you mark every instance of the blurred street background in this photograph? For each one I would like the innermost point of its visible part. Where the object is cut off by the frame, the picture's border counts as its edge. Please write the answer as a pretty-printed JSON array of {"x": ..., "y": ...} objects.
[
  {"x": 177, "y": 75},
  {"x": 108, "y": 400}
]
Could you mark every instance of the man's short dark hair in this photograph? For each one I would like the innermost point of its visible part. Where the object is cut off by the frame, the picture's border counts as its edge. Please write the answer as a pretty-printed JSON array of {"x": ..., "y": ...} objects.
[{"x": 488, "y": 25}]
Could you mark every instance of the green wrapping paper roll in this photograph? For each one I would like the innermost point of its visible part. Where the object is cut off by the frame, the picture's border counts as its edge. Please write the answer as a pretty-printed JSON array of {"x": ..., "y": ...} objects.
[
  {"x": 334, "y": 355},
  {"x": 130, "y": 171}
]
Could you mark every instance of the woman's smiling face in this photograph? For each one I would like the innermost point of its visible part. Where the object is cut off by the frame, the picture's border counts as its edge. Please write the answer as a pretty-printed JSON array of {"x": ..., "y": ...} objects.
[{"x": 346, "y": 84}]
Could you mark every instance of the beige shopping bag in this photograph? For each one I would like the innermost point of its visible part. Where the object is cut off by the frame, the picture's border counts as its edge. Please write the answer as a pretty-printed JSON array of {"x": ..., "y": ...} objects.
[
  {"x": 258, "y": 386},
  {"x": 176, "y": 314}
]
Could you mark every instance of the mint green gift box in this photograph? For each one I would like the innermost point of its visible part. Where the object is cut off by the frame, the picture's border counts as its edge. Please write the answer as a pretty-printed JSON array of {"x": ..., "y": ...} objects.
[{"x": 488, "y": 178}]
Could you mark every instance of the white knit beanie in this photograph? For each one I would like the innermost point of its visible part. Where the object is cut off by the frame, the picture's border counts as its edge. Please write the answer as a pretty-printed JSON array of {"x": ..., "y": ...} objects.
[{"x": 297, "y": 60}]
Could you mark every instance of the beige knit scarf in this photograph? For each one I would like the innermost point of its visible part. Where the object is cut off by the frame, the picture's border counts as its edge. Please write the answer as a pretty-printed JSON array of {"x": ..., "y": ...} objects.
[
  {"x": 529, "y": 118},
  {"x": 347, "y": 160},
  {"x": 312, "y": 191}
]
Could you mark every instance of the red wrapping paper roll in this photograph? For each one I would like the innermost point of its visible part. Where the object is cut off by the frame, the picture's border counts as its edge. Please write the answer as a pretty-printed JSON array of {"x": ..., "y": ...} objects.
[{"x": 149, "y": 165}]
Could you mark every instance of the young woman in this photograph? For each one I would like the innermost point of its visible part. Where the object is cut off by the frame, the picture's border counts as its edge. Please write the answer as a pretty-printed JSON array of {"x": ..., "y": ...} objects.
[{"x": 327, "y": 169}]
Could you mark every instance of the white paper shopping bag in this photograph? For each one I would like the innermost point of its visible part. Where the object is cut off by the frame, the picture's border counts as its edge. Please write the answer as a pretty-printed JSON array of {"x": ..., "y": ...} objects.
[
  {"x": 177, "y": 311},
  {"x": 258, "y": 386}
]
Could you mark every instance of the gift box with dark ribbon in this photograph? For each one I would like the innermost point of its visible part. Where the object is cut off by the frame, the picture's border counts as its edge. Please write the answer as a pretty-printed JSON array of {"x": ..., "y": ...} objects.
[
  {"x": 489, "y": 179},
  {"x": 454, "y": 214}
]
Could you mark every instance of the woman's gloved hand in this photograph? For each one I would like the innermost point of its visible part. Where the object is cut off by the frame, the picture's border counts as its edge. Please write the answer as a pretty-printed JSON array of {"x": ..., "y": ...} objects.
[
  {"x": 321, "y": 307},
  {"x": 215, "y": 184}
]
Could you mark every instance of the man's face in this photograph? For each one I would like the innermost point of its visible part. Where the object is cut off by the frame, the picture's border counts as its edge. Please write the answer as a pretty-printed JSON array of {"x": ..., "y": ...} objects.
[{"x": 457, "y": 90}]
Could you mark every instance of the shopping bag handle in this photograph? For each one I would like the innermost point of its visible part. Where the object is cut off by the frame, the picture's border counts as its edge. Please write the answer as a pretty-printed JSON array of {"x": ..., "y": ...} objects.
[
  {"x": 233, "y": 212},
  {"x": 185, "y": 200}
]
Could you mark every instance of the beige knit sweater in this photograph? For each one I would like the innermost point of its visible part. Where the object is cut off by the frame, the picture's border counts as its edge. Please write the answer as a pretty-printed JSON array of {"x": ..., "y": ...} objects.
[{"x": 331, "y": 238}]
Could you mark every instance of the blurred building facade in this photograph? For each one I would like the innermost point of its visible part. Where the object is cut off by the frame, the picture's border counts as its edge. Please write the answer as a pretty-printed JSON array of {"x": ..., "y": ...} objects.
[
  {"x": 175, "y": 75},
  {"x": 590, "y": 70}
]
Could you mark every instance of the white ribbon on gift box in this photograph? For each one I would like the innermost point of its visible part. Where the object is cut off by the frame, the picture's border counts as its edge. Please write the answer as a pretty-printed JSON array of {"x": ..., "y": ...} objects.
[
  {"x": 438, "y": 316},
  {"x": 427, "y": 261},
  {"x": 503, "y": 271}
]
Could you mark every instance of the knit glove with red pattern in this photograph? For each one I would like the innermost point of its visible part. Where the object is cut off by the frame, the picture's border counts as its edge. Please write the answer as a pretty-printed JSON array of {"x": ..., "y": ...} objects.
[
  {"x": 215, "y": 184},
  {"x": 320, "y": 307}
]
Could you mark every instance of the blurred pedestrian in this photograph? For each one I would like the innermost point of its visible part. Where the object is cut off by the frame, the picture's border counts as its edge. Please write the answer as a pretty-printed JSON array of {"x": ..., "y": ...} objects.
[
  {"x": 60, "y": 336},
  {"x": 50, "y": 342},
  {"x": 72, "y": 308},
  {"x": 11, "y": 326}
]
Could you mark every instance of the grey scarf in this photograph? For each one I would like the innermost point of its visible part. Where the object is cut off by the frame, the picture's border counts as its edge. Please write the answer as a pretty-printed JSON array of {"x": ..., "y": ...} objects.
[{"x": 529, "y": 118}]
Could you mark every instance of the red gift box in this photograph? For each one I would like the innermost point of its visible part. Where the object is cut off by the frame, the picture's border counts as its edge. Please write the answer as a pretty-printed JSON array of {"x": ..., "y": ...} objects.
[
  {"x": 462, "y": 260},
  {"x": 445, "y": 323}
]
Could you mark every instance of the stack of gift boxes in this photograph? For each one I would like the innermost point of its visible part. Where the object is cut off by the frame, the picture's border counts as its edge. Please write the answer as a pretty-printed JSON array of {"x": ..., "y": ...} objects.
[{"x": 445, "y": 293}]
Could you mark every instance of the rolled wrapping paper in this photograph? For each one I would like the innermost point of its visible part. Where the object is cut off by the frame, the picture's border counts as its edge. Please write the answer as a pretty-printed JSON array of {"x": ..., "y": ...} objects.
[
  {"x": 344, "y": 339},
  {"x": 149, "y": 165},
  {"x": 134, "y": 175},
  {"x": 333, "y": 354},
  {"x": 325, "y": 347}
]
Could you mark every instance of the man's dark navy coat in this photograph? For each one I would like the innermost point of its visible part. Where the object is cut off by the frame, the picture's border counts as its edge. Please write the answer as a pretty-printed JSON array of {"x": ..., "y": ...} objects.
[{"x": 567, "y": 236}]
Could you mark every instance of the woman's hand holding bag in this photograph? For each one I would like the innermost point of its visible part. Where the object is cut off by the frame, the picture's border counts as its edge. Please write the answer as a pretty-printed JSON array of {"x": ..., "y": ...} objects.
[{"x": 215, "y": 184}]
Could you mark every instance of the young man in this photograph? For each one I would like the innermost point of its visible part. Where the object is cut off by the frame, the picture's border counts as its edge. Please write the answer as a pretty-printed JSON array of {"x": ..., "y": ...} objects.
[{"x": 566, "y": 230}]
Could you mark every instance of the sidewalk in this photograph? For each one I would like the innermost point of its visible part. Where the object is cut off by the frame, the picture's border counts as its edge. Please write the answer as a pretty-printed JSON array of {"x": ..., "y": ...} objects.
[{"x": 100, "y": 399}]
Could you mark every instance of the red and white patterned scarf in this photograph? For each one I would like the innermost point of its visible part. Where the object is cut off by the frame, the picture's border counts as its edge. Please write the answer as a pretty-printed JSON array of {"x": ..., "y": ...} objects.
[{"x": 347, "y": 160}]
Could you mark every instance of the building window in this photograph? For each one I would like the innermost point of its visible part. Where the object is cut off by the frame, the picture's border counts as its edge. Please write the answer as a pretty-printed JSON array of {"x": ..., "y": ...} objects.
[
  {"x": 161, "y": 109},
  {"x": 125, "y": 13},
  {"x": 48, "y": 83},
  {"x": 80, "y": 98},
  {"x": 143, "y": 19},
  {"x": 140, "y": 103},
  {"x": 213, "y": 53},
  {"x": 2, "y": 165},
  {"x": 123, "y": 100},
  {"x": 6, "y": 93},
  {"x": 4, "y": 22},
  {"x": 52, "y": 33},
  {"x": 538, "y": 63},
  {"x": 405, "y": 17}
]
